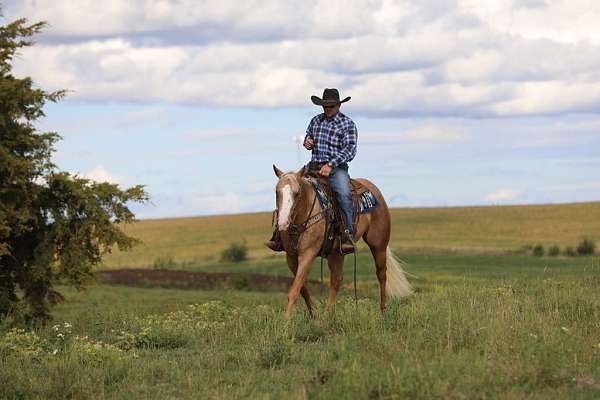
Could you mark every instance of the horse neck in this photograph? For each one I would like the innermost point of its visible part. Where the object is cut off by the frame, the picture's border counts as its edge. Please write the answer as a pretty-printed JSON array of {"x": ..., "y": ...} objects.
[{"x": 307, "y": 201}]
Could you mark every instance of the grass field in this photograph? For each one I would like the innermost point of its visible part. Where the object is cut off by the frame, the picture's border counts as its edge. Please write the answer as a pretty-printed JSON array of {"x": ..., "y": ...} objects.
[
  {"x": 484, "y": 322},
  {"x": 200, "y": 240}
]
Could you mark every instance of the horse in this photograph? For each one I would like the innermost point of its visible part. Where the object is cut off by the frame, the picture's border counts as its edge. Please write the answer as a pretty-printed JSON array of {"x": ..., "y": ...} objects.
[{"x": 296, "y": 203}]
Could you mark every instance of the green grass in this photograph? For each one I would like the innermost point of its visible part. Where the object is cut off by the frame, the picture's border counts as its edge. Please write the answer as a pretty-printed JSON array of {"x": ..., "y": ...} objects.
[
  {"x": 485, "y": 321},
  {"x": 478, "y": 326},
  {"x": 200, "y": 240}
]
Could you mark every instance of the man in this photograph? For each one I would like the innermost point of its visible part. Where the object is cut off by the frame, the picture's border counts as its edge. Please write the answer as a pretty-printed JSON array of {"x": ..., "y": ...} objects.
[{"x": 332, "y": 137}]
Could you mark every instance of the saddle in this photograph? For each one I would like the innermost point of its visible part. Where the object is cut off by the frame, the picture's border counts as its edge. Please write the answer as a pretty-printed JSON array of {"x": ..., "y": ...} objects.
[{"x": 363, "y": 201}]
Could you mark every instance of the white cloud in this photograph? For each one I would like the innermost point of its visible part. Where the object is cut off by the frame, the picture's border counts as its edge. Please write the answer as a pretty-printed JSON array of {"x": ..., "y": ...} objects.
[
  {"x": 204, "y": 203},
  {"x": 503, "y": 195},
  {"x": 567, "y": 21},
  {"x": 434, "y": 133},
  {"x": 226, "y": 203},
  {"x": 395, "y": 58},
  {"x": 576, "y": 187},
  {"x": 101, "y": 174},
  {"x": 425, "y": 134}
]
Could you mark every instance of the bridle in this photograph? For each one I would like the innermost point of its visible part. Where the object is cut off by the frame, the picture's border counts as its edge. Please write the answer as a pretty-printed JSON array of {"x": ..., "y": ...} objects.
[{"x": 296, "y": 230}]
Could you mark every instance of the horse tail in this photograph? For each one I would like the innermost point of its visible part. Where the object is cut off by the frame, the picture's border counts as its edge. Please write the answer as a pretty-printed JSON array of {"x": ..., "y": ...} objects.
[{"x": 396, "y": 283}]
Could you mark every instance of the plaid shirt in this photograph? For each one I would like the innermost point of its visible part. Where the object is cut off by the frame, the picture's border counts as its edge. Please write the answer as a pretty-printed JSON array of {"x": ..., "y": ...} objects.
[{"x": 335, "y": 139}]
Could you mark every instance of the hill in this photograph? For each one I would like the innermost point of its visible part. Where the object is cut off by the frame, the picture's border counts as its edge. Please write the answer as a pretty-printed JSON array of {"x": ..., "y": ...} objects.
[{"x": 465, "y": 229}]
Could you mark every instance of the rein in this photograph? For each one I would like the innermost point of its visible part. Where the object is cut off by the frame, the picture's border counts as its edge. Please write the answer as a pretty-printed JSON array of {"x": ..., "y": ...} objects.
[{"x": 300, "y": 228}]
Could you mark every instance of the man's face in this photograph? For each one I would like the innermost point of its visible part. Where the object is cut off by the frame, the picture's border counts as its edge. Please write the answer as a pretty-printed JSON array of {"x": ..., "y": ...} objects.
[{"x": 330, "y": 111}]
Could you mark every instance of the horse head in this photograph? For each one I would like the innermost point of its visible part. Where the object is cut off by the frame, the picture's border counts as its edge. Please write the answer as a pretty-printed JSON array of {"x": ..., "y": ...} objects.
[{"x": 288, "y": 192}]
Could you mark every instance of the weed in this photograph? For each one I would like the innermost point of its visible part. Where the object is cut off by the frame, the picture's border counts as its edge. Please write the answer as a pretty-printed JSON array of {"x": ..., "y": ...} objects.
[
  {"x": 538, "y": 250},
  {"x": 570, "y": 251},
  {"x": 164, "y": 262},
  {"x": 554, "y": 250},
  {"x": 236, "y": 252},
  {"x": 586, "y": 247},
  {"x": 276, "y": 354}
]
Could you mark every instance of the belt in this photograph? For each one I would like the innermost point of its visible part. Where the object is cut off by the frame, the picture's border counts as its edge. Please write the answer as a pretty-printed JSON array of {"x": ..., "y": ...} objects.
[{"x": 316, "y": 165}]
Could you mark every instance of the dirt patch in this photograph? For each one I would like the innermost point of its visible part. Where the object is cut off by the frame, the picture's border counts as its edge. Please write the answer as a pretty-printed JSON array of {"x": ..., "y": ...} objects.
[{"x": 197, "y": 280}]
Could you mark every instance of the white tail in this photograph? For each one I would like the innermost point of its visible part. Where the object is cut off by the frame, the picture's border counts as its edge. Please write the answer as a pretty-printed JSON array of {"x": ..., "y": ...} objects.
[{"x": 396, "y": 283}]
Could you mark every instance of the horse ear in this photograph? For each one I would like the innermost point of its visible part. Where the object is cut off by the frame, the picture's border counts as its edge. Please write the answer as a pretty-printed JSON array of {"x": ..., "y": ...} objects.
[
  {"x": 302, "y": 171},
  {"x": 278, "y": 172}
]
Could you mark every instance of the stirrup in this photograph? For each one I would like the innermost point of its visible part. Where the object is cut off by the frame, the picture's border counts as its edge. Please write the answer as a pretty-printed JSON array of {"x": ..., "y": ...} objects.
[
  {"x": 345, "y": 247},
  {"x": 275, "y": 243}
]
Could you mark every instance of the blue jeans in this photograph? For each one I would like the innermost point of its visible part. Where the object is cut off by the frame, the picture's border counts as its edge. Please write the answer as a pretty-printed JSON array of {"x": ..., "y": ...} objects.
[{"x": 340, "y": 186}]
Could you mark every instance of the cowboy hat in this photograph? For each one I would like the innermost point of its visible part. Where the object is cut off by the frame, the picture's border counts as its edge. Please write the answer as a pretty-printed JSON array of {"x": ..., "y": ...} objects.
[{"x": 331, "y": 97}]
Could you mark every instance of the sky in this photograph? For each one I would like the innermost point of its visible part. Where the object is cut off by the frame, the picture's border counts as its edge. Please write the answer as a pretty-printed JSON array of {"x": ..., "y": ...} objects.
[{"x": 456, "y": 102}]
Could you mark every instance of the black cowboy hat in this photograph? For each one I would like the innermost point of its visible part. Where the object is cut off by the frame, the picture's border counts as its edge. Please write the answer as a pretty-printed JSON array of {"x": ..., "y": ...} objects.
[{"x": 331, "y": 97}]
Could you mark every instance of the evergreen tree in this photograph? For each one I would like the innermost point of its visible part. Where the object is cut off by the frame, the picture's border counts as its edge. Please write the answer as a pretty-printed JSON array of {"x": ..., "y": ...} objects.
[{"x": 54, "y": 226}]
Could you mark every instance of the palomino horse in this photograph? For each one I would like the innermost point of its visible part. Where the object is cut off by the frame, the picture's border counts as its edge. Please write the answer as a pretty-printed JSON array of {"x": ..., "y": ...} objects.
[{"x": 296, "y": 204}]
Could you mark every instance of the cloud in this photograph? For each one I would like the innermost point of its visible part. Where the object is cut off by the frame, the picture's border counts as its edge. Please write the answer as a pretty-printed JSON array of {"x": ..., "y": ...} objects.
[
  {"x": 421, "y": 134},
  {"x": 206, "y": 203},
  {"x": 576, "y": 187},
  {"x": 100, "y": 174},
  {"x": 433, "y": 133},
  {"x": 396, "y": 59},
  {"x": 199, "y": 21},
  {"x": 503, "y": 195},
  {"x": 226, "y": 203}
]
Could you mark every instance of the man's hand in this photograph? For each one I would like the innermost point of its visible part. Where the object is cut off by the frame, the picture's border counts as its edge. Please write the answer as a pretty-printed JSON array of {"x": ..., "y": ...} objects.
[
  {"x": 309, "y": 143},
  {"x": 325, "y": 170}
]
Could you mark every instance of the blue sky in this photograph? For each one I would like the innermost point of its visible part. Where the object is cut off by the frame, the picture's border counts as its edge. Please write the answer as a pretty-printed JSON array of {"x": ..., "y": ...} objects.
[{"x": 456, "y": 103}]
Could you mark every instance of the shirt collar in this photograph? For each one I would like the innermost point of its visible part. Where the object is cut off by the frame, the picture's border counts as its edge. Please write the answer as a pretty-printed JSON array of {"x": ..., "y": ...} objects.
[{"x": 336, "y": 117}]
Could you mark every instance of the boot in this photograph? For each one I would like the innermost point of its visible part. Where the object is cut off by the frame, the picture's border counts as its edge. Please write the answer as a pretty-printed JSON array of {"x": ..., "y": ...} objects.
[
  {"x": 275, "y": 242},
  {"x": 348, "y": 244}
]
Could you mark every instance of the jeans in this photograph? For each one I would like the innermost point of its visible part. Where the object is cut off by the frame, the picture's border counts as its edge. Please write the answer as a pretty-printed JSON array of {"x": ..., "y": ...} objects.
[{"x": 340, "y": 186}]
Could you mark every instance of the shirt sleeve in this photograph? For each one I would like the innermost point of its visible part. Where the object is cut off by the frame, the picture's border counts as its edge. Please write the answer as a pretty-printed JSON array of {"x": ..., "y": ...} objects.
[
  {"x": 349, "y": 144},
  {"x": 309, "y": 130}
]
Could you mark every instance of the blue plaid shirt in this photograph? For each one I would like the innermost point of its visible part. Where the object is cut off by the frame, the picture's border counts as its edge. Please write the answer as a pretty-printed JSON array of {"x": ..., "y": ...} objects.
[{"x": 335, "y": 139}]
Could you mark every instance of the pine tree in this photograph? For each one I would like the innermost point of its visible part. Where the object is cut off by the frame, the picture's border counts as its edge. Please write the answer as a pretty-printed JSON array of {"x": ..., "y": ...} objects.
[{"x": 54, "y": 226}]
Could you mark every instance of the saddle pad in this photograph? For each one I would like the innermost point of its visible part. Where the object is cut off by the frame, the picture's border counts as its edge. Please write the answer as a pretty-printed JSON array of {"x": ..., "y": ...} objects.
[{"x": 367, "y": 201}]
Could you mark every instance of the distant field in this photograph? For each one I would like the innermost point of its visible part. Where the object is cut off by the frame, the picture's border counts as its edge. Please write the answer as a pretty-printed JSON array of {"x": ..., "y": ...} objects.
[{"x": 200, "y": 240}]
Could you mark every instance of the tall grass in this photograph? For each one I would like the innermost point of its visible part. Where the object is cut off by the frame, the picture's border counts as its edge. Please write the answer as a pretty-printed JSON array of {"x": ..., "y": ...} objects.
[{"x": 472, "y": 329}]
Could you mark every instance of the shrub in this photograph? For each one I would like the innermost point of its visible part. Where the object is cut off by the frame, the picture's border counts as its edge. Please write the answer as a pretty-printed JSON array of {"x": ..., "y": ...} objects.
[
  {"x": 526, "y": 249},
  {"x": 570, "y": 251},
  {"x": 26, "y": 343},
  {"x": 538, "y": 250},
  {"x": 554, "y": 251},
  {"x": 236, "y": 252},
  {"x": 175, "y": 329},
  {"x": 164, "y": 262},
  {"x": 242, "y": 284},
  {"x": 586, "y": 246}
]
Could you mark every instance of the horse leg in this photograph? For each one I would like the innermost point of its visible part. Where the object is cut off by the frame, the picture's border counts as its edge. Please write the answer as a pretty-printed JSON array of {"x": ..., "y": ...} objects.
[
  {"x": 293, "y": 264},
  {"x": 304, "y": 262},
  {"x": 336, "y": 265},
  {"x": 379, "y": 255},
  {"x": 378, "y": 245}
]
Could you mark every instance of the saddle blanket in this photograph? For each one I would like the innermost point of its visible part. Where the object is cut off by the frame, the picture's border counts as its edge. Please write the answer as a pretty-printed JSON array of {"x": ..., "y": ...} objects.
[{"x": 367, "y": 201}]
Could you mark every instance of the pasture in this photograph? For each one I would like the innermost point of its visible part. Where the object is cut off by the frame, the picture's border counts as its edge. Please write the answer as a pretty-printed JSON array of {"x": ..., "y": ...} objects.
[
  {"x": 487, "y": 320},
  {"x": 199, "y": 240}
]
